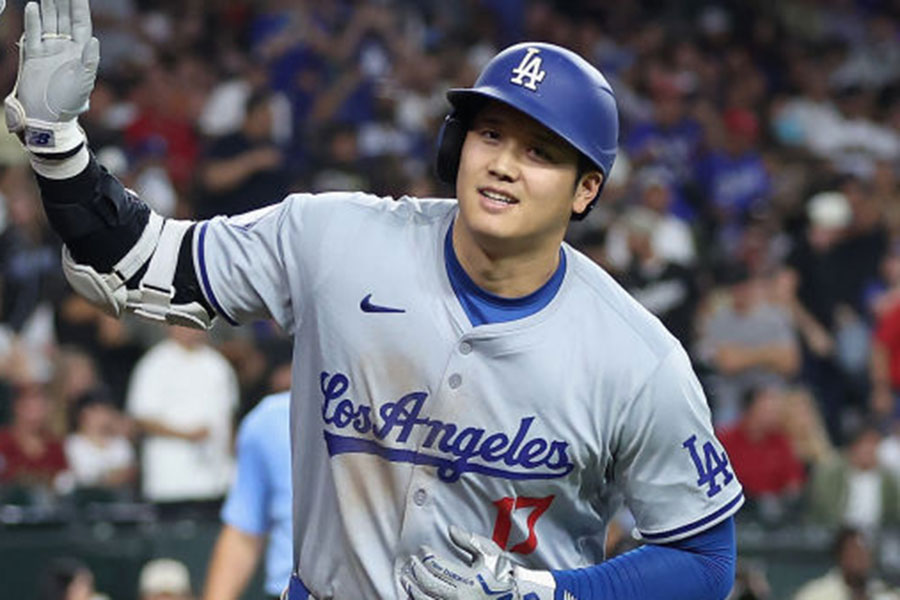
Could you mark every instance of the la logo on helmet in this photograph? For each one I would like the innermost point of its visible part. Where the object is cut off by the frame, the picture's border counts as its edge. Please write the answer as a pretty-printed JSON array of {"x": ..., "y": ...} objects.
[{"x": 528, "y": 74}]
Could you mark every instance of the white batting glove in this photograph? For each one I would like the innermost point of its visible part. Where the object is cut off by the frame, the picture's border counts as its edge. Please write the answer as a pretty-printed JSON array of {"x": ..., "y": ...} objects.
[
  {"x": 58, "y": 58},
  {"x": 488, "y": 574},
  {"x": 2, "y": 5}
]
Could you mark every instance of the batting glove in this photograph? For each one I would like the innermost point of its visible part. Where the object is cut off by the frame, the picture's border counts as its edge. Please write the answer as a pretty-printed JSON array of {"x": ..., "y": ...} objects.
[
  {"x": 487, "y": 574},
  {"x": 58, "y": 58}
]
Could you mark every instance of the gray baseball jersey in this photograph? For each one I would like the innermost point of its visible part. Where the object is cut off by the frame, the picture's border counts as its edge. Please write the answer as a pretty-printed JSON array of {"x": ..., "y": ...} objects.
[{"x": 405, "y": 418}]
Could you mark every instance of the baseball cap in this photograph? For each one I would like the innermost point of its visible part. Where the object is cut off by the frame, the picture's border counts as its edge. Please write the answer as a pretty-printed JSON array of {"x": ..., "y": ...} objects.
[
  {"x": 164, "y": 576},
  {"x": 741, "y": 122},
  {"x": 829, "y": 210}
]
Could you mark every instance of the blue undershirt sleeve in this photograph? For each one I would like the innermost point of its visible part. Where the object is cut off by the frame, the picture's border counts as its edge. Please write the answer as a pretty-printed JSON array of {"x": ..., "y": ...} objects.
[{"x": 700, "y": 567}]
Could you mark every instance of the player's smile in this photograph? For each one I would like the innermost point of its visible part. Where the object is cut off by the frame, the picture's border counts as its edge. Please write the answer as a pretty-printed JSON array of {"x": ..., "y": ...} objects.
[{"x": 494, "y": 200}]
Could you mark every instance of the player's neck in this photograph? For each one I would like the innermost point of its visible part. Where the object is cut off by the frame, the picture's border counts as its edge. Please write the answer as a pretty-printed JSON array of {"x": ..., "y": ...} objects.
[{"x": 510, "y": 273}]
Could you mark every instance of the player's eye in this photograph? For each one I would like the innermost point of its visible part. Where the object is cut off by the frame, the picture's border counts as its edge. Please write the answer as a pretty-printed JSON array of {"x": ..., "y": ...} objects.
[
  {"x": 541, "y": 153},
  {"x": 489, "y": 133}
]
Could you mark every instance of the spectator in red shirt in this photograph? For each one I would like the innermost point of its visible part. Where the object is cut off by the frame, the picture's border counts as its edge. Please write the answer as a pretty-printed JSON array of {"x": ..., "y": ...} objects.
[
  {"x": 885, "y": 362},
  {"x": 760, "y": 449},
  {"x": 30, "y": 455}
]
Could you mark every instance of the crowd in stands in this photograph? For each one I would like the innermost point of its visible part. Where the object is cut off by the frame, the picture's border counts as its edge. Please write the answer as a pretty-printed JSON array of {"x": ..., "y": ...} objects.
[{"x": 754, "y": 208}]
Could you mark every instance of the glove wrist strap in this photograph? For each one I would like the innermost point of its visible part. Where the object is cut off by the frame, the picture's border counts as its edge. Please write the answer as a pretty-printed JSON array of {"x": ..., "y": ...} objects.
[
  {"x": 42, "y": 137},
  {"x": 65, "y": 168},
  {"x": 535, "y": 584}
]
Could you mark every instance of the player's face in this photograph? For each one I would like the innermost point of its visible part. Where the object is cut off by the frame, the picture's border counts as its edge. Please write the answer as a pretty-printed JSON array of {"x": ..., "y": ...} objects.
[{"x": 517, "y": 182}]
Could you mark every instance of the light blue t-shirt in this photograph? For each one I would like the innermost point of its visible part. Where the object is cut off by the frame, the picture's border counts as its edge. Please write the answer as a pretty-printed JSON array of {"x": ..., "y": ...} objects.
[{"x": 259, "y": 502}]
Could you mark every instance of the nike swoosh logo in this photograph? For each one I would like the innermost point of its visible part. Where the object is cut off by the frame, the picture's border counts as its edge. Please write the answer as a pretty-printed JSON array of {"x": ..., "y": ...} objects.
[{"x": 367, "y": 307}]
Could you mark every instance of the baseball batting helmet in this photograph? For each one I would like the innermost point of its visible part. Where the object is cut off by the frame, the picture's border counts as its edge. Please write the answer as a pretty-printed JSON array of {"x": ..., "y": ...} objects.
[{"x": 552, "y": 85}]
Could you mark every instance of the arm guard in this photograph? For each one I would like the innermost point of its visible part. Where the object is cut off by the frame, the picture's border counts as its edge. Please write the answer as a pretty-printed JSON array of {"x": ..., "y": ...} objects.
[{"x": 99, "y": 220}]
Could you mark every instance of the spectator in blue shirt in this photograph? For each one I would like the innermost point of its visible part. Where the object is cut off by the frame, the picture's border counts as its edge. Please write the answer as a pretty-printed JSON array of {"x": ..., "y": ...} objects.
[
  {"x": 258, "y": 506},
  {"x": 671, "y": 140},
  {"x": 733, "y": 179}
]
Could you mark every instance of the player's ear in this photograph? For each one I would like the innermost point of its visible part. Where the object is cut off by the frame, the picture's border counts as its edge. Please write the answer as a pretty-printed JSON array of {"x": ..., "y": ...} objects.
[{"x": 586, "y": 189}]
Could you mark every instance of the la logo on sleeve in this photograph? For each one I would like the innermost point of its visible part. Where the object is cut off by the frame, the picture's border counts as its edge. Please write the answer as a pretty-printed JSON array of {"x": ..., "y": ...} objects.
[{"x": 712, "y": 465}]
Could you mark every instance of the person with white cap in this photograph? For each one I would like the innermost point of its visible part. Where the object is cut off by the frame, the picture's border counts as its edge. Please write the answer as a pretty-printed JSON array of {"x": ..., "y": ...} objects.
[
  {"x": 165, "y": 579},
  {"x": 815, "y": 265}
]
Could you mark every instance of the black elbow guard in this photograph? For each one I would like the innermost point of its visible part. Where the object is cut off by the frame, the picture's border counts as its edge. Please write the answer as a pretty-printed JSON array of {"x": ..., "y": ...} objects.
[{"x": 96, "y": 217}]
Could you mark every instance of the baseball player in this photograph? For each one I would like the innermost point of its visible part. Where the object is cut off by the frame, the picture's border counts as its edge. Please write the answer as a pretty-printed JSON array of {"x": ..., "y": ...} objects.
[{"x": 472, "y": 398}]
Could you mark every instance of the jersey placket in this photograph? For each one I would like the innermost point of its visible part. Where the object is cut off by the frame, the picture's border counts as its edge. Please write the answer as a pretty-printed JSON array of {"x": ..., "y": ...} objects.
[{"x": 425, "y": 483}]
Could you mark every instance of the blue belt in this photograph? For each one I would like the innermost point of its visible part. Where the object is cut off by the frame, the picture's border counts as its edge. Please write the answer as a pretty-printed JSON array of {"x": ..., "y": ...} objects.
[{"x": 298, "y": 591}]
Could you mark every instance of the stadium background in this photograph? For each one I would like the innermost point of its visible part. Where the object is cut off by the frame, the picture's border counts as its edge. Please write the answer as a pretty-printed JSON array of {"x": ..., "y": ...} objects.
[{"x": 736, "y": 118}]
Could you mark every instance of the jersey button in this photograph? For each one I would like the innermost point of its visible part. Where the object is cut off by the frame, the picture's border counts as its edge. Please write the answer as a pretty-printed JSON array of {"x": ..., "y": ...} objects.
[
  {"x": 420, "y": 496},
  {"x": 455, "y": 381},
  {"x": 465, "y": 348}
]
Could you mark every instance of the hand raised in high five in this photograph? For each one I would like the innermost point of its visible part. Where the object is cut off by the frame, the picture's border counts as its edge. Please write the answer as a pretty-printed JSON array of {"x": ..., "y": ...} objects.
[{"x": 58, "y": 58}]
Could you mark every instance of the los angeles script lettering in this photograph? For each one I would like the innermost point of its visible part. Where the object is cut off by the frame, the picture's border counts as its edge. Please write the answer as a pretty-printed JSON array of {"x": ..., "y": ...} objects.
[{"x": 498, "y": 454}]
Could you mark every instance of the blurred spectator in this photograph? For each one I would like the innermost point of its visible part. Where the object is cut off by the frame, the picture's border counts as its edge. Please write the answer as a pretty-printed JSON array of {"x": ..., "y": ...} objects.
[
  {"x": 854, "y": 489},
  {"x": 30, "y": 272},
  {"x": 245, "y": 170},
  {"x": 258, "y": 507},
  {"x": 165, "y": 579},
  {"x": 865, "y": 245},
  {"x": 733, "y": 179},
  {"x": 884, "y": 293},
  {"x": 116, "y": 25},
  {"x": 885, "y": 363},
  {"x": 31, "y": 456},
  {"x": 74, "y": 375},
  {"x": 855, "y": 141},
  {"x": 226, "y": 107},
  {"x": 672, "y": 139},
  {"x": 748, "y": 343},
  {"x": 161, "y": 125},
  {"x": 750, "y": 582},
  {"x": 67, "y": 579},
  {"x": 852, "y": 578},
  {"x": 820, "y": 265},
  {"x": 805, "y": 116},
  {"x": 761, "y": 452},
  {"x": 340, "y": 167},
  {"x": 672, "y": 237},
  {"x": 183, "y": 394},
  {"x": 816, "y": 256},
  {"x": 666, "y": 289},
  {"x": 804, "y": 427},
  {"x": 111, "y": 343},
  {"x": 99, "y": 456}
]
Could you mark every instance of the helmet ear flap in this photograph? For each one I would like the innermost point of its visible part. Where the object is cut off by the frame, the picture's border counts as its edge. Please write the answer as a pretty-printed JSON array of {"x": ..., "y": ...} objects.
[{"x": 450, "y": 142}]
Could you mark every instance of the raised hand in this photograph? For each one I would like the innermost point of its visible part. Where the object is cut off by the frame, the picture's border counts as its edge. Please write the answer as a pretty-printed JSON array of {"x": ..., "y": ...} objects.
[{"x": 58, "y": 58}]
